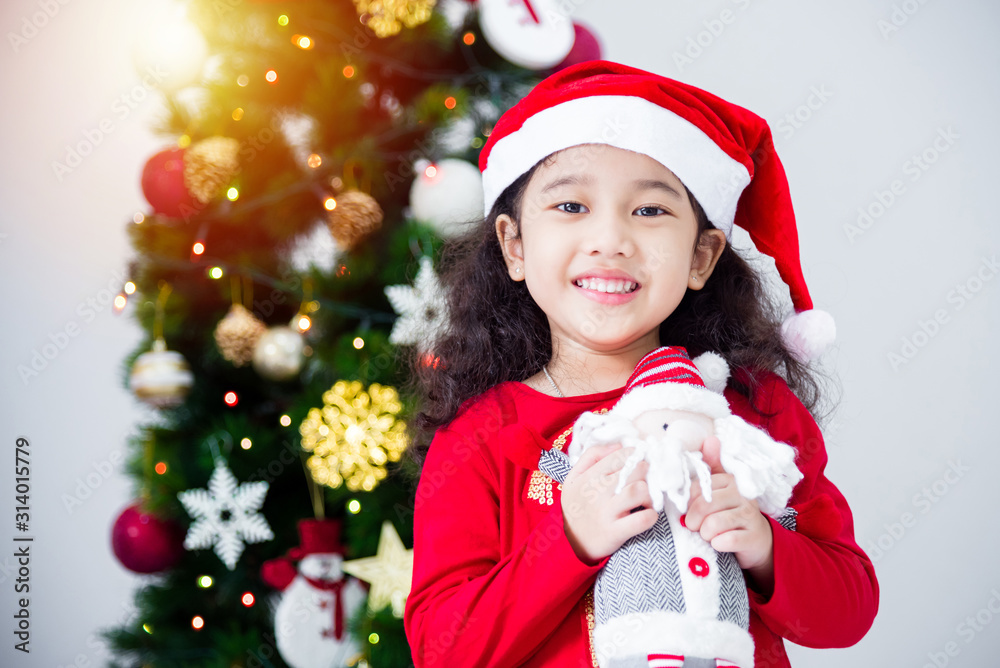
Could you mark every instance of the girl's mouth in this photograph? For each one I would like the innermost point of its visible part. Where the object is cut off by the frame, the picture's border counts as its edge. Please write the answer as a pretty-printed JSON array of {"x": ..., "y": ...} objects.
[{"x": 607, "y": 291}]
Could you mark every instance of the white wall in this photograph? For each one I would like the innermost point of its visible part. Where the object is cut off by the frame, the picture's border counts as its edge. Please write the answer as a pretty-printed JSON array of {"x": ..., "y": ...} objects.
[{"x": 899, "y": 429}]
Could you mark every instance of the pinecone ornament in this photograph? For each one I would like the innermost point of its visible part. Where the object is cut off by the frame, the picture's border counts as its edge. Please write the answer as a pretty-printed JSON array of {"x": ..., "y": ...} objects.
[
  {"x": 237, "y": 335},
  {"x": 209, "y": 165},
  {"x": 355, "y": 216}
]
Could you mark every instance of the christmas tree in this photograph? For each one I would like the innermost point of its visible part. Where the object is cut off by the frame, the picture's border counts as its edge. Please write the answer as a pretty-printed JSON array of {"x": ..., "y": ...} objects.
[{"x": 284, "y": 273}]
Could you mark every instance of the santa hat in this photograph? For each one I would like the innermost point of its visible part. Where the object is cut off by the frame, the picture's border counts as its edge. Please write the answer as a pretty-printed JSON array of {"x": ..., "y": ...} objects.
[
  {"x": 721, "y": 152},
  {"x": 668, "y": 378},
  {"x": 315, "y": 537}
]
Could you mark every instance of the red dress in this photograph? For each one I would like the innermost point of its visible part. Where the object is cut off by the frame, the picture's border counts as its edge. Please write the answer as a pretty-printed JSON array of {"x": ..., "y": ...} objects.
[{"x": 496, "y": 582}]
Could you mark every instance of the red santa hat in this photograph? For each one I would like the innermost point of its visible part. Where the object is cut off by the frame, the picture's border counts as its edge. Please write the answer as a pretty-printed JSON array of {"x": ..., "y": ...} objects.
[
  {"x": 722, "y": 153},
  {"x": 315, "y": 537},
  {"x": 668, "y": 378}
]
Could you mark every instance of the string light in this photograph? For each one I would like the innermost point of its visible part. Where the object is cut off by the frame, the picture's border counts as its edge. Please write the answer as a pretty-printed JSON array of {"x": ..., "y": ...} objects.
[
  {"x": 283, "y": 20},
  {"x": 359, "y": 343},
  {"x": 197, "y": 623},
  {"x": 303, "y": 42},
  {"x": 129, "y": 288},
  {"x": 242, "y": 80},
  {"x": 120, "y": 301},
  {"x": 450, "y": 102},
  {"x": 246, "y": 443},
  {"x": 314, "y": 160},
  {"x": 354, "y": 506},
  {"x": 205, "y": 581},
  {"x": 161, "y": 467},
  {"x": 271, "y": 76},
  {"x": 247, "y": 599},
  {"x": 148, "y": 628},
  {"x": 184, "y": 141},
  {"x": 469, "y": 39},
  {"x": 138, "y": 217},
  {"x": 238, "y": 113},
  {"x": 215, "y": 272},
  {"x": 431, "y": 171},
  {"x": 284, "y": 420},
  {"x": 231, "y": 399},
  {"x": 373, "y": 638},
  {"x": 233, "y": 194},
  {"x": 329, "y": 204},
  {"x": 303, "y": 323},
  {"x": 198, "y": 248},
  {"x": 349, "y": 71}
]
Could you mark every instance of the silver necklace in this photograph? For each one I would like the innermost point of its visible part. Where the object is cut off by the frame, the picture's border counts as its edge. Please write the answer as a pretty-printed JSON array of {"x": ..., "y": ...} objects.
[{"x": 554, "y": 386}]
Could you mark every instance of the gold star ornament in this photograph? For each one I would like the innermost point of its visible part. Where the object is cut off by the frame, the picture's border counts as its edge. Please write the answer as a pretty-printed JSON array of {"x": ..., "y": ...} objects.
[{"x": 389, "y": 572}]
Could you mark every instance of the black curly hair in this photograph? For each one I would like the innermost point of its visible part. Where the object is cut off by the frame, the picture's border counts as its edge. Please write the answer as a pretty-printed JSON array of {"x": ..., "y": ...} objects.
[{"x": 498, "y": 333}]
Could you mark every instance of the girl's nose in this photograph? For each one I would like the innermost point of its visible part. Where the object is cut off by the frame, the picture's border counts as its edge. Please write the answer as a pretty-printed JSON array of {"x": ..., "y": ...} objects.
[{"x": 610, "y": 235}]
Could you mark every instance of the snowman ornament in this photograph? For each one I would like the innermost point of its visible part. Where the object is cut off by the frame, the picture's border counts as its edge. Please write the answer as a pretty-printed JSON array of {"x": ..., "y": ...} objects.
[{"x": 317, "y": 600}]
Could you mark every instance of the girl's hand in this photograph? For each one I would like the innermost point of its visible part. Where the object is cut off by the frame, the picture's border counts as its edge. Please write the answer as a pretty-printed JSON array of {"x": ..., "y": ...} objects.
[
  {"x": 598, "y": 521},
  {"x": 732, "y": 523}
]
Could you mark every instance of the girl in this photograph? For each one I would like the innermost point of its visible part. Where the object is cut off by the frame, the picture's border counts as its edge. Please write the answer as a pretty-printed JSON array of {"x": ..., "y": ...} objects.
[{"x": 610, "y": 197}]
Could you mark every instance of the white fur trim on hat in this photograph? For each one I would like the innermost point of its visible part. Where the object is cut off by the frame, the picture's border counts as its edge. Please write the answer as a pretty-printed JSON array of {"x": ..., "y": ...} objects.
[
  {"x": 677, "y": 396},
  {"x": 674, "y": 633},
  {"x": 630, "y": 123}
]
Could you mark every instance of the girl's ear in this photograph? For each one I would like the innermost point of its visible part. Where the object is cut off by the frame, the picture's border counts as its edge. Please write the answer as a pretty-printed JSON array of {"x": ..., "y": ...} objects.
[
  {"x": 710, "y": 246},
  {"x": 510, "y": 245}
]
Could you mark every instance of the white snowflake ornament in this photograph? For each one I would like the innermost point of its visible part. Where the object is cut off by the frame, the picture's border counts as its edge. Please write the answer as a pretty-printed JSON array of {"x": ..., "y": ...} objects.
[
  {"x": 225, "y": 515},
  {"x": 422, "y": 309}
]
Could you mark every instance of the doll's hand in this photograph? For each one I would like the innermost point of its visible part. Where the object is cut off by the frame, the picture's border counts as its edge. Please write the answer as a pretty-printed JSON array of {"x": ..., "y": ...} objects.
[
  {"x": 732, "y": 523},
  {"x": 597, "y": 521}
]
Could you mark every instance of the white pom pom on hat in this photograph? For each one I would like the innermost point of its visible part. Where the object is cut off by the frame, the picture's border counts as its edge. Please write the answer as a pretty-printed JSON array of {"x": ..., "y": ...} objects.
[
  {"x": 723, "y": 153},
  {"x": 714, "y": 370}
]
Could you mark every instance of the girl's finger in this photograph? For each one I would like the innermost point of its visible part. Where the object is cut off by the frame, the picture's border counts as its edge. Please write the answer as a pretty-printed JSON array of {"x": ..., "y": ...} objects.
[
  {"x": 614, "y": 462},
  {"x": 637, "y": 522},
  {"x": 590, "y": 457},
  {"x": 632, "y": 496}
]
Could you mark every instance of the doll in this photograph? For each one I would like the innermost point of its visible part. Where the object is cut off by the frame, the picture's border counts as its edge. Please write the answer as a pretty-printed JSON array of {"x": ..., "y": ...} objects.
[
  {"x": 317, "y": 599},
  {"x": 666, "y": 594}
]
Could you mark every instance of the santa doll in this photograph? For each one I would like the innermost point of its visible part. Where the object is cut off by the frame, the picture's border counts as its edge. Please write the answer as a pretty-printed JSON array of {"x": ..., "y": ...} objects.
[
  {"x": 317, "y": 599},
  {"x": 666, "y": 593}
]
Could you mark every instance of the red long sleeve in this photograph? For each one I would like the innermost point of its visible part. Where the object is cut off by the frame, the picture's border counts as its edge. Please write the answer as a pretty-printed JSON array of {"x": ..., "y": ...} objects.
[
  {"x": 472, "y": 604},
  {"x": 825, "y": 591}
]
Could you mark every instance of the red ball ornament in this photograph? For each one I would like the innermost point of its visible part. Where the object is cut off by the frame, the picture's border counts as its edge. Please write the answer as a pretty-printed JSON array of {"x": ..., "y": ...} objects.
[
  {"x": 585, "y": 47},
  {"x": 145, "y": 543},
  {"x": 163, "y": 183}
]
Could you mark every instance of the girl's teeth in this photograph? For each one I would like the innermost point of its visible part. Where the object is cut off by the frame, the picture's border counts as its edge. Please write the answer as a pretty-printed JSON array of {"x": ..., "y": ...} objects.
[{"x": 600, "y": 285}]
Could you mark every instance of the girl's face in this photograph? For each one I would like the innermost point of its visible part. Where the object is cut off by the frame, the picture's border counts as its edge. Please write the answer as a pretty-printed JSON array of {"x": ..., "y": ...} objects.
[{"x": 607, "y": 247}]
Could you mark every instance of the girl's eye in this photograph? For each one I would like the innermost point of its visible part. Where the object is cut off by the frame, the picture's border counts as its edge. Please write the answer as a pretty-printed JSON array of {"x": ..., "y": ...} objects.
[
  {"x": 650, "y": 211},
  {"x": 575, "y": 207}
]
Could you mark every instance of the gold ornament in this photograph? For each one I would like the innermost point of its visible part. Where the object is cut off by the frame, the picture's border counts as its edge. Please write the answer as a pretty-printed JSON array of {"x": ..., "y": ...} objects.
[
  {"x": 161, "y": 377},
  {"x": 355, "y": 216},
  {"x": 209, "y": 165},
  {"x": 279, "y": 354},
  {"x": 237, "y": 334},
  {"x": 354, "y": 435},
  {"x": 387, "y": 17},
  {"x": 389, "y": 572}
]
